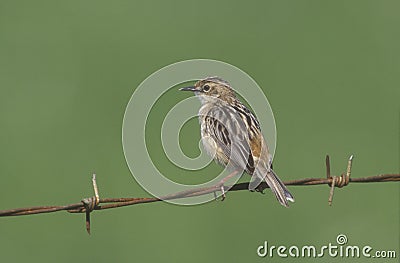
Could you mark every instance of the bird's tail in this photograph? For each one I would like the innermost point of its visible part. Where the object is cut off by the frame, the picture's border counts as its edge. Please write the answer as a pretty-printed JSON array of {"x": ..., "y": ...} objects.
[{"x": 278, "y": 188}]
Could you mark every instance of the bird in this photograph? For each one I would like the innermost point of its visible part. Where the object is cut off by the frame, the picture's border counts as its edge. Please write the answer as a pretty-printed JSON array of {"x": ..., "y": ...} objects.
[{"x": 231, "y": 134}]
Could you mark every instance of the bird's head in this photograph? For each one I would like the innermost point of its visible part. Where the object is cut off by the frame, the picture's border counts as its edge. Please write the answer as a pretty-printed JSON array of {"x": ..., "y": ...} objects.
[{"x": 212, "y": 89}]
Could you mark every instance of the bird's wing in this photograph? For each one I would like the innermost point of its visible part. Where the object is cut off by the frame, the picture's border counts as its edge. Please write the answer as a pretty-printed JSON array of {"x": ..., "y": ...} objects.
[{"x": 229, "y": 132}]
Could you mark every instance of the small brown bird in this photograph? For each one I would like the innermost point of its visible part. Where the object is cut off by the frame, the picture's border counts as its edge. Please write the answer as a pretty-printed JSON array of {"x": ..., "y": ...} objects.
[{"x": 231, "y": 134}]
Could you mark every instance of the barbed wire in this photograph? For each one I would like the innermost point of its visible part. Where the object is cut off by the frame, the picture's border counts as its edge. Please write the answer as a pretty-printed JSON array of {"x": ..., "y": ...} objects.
[{"x": 87, "y": 205}]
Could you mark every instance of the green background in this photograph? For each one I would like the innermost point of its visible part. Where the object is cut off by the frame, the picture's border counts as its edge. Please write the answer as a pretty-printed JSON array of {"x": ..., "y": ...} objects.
[{"x": 68, "y": 68}]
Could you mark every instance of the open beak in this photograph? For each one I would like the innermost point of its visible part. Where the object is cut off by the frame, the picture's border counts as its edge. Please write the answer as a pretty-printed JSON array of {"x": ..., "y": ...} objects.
[{"x": 191, "y": 88}]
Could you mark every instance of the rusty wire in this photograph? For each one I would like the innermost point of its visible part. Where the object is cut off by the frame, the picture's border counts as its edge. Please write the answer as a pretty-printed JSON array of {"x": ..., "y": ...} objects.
[{"x": 90, "y": 204}]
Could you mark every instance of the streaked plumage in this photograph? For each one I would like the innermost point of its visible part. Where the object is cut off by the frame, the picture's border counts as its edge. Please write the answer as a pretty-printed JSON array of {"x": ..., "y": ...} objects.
[{"x": 231, "y": 134}]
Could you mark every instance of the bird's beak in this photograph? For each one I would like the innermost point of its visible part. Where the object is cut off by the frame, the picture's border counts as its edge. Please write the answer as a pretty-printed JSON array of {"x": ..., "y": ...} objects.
[{"x": 191, "y": 88}]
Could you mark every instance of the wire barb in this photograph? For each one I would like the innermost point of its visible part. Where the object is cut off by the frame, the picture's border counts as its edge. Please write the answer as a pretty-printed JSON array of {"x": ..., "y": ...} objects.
[
  {"x": 328, "y": 167},
  {"x": 91, "y": 203},
  {"x": 338, "y": 181}
]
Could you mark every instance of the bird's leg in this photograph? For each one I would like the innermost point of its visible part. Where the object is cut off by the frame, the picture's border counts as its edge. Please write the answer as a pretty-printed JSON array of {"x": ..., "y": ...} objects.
[{"x": 223, "y": 181}]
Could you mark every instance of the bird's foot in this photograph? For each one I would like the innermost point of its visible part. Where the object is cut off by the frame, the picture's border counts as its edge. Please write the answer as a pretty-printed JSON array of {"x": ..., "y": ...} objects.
[
  {"x": 259, "y": 189},
  {"x": 223, "y": 196},
  {"x": 221, "y": 187}
]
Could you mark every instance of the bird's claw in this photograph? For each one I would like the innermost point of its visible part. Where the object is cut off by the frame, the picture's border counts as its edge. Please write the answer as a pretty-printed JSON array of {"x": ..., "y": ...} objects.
[
  {"x": 223, "y": 193},
  {"x": 259, "y": 189},
  {"x": 222, "y": 188}
]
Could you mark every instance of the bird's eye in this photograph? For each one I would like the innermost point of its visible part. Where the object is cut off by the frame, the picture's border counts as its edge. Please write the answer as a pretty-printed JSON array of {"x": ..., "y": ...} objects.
[{"x": 206, "y": 88}]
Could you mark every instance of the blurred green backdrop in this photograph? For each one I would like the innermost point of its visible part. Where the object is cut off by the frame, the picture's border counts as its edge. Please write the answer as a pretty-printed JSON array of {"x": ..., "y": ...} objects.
[{"x": 68, "y": 68}]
